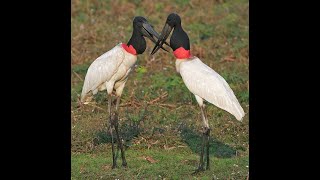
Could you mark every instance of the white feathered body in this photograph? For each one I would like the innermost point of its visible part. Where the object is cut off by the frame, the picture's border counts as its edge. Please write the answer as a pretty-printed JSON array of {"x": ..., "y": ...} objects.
[
  {"x": 108, "y": 72},
  {"x": 207, "y": 84}
]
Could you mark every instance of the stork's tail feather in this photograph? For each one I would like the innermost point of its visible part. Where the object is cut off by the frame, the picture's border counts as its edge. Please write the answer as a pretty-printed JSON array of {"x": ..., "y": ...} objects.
[
  {"x": 238, "y": 111},
  {"x": 85, "y": 99},
  {"x": 85, "y": 96}
]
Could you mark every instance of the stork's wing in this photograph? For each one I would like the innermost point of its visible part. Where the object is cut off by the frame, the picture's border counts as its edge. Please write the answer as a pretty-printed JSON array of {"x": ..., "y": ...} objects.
[
  {"x": 206, "y": 83},
  {"x": 102, "y": 69}
]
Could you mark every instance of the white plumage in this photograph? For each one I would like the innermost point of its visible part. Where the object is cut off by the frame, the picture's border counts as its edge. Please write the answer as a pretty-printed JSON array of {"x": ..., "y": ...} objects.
[
  {"x": 207, "y": 84},
  {"x": 109, "y": 71}
]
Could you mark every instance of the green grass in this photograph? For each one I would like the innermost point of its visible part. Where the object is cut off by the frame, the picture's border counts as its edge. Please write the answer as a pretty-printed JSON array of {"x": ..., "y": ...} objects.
[
  {"x": 170, "y": 164},
  {"x": 167, "y": 130}
]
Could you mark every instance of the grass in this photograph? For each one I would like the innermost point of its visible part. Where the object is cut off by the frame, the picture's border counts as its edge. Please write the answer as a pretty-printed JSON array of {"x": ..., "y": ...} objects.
[
  {"x": 167, "y": 130},
  {"x": 173, "y": 164}
]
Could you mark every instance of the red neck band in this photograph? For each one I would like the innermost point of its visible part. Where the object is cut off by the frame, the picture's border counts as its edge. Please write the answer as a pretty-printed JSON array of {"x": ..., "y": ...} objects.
[
  {"x": 181, "y": 53},
  {"x": 129, "y": 49}
]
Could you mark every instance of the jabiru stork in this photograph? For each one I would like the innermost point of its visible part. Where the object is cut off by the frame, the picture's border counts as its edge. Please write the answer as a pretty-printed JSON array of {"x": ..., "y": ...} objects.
[
  {"x": 110, "y": 72},
  {"x": 199, "y": 78}
]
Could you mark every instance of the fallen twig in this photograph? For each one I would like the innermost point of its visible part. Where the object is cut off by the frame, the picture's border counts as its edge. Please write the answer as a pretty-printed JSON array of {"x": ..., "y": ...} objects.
[
  {"x": 167, "y": 105},
  {"x": 77, "y": 75},
  {"x": 95, "y": 106},
  {"x": 165, "y": 94},
  {"x": 230, "y": 58}
]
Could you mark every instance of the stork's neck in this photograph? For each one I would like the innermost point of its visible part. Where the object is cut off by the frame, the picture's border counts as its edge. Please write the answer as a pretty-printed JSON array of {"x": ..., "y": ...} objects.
[
  {"x": 137, "y": 41},
  {"x": 179, "y": 43},
  {"x": 182, "y": 53}
]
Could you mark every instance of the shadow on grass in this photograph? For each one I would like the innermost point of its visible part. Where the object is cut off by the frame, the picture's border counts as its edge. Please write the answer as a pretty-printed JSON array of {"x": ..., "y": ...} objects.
[
  {"x": 217, "y": 148},
  {"x": 128, "y": 130}
]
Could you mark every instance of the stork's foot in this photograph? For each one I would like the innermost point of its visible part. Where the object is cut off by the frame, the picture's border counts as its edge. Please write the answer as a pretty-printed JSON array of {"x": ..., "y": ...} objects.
[
  {"x": 115, "y": 117},
  {"x": 124, "y": 164},
  {"x": 114, "y": 166},
  {"x": 200, "y": 169}
]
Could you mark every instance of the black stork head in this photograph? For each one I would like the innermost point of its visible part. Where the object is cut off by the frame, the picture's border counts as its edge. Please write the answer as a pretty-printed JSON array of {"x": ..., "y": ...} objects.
[
  {"x": 141, "y": 27},
  {"x": 179, "y": 37}
]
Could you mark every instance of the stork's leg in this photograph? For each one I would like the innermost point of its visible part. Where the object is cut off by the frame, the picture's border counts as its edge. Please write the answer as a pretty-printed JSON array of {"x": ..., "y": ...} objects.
[
  {"x": 205, "y": 136},
  {"x": 201, "y": 164},
  {"x": 206, "y": 133},
  {"x": 208, "y": 140},
  {"x": 124, "y": 162},
  {"x": 114, "y": 161}
]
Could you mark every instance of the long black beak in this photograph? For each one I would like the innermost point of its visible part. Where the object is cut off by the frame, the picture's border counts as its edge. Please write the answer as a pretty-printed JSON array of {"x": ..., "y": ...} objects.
[
  {"x": 163, "y": 37},
  {"x": 148, "y": 31}
]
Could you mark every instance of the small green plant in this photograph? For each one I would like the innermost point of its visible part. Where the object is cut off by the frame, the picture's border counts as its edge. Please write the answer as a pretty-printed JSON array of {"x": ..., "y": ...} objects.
[
  {"x": 182, "y": 3},
  {"x": 141, "y": 70},
  {"x": 81, "y": 68}
]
